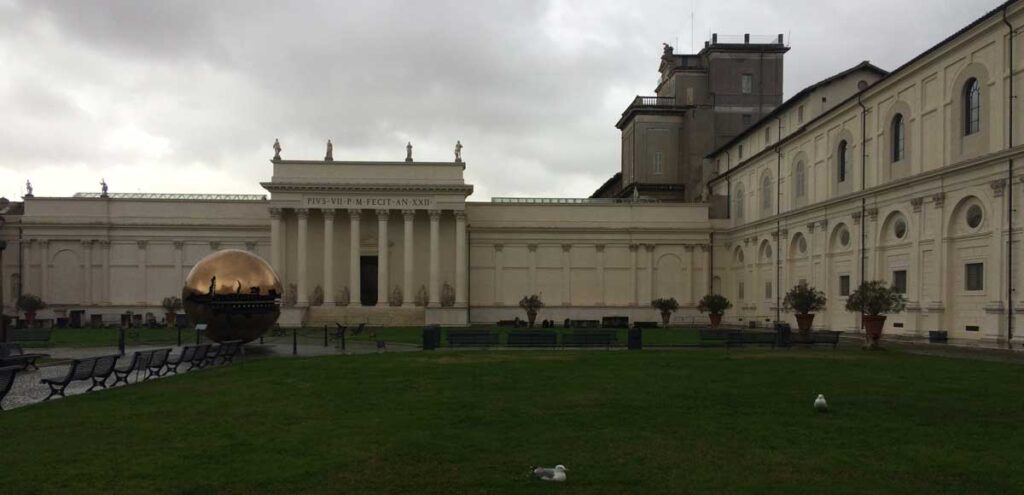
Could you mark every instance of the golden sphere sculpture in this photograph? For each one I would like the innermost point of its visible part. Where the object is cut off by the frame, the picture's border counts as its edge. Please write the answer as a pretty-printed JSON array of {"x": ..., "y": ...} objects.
[{"x": 235, "y": 293}]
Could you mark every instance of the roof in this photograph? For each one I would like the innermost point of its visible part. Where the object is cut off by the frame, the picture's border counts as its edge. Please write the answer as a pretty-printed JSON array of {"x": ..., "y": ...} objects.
[
  {"x": 607, "y": 184},
  {"x": 200, "y": 197},
  {"x": 786, "y": 105}
]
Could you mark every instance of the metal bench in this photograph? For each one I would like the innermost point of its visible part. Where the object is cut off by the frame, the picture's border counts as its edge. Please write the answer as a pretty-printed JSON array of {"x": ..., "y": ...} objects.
[
  {"x": 95, "y": 369},
  {"x": 14, "y": 355},
  {"x": 740, "y": 339},
  {"x": 7, "y": 377},
  {"x": 199, "y": 358},
  {"x": 533, "y": 338},
  {"x": 585, "y": 323},
  {"x": 157, "y": 362},
  {"x": 224, "y": 354},
  {"x": 24, "y": 335},
  {"x": 140, "y": 361},
  {"x": 713, "y": 338},
  {"x": 185, "y": 356},
  {"x": 590, "y": 338},
  {"x": 102, "y": 370},
  {"x": 615, "y": 321},
  {"x": 823, "y": 337},
  {"x": 472, "y": 338}
]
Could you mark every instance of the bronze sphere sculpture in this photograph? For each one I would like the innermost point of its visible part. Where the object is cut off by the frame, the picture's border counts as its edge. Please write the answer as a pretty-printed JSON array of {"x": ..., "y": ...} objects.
[{"x": 235, "y": 293}]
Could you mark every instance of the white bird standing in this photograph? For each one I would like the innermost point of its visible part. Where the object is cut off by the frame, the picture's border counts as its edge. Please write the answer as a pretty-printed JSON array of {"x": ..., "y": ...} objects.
[
  {"x": 819, "y": 404},
  {"x": 556, "y": 473}
]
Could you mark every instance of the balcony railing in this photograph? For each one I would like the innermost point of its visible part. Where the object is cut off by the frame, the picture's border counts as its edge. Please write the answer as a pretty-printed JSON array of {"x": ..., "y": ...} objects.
[
  {"x": 571, "y": 201},
  {"x": 654, "y": 101}
]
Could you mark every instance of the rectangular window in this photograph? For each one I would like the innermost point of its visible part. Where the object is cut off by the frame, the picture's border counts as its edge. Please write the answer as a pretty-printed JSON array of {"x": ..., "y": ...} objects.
[
  {"x": 767, "y": 290},
  {"x": 974, "y": 276},
  {"x": 740, "y": 152},
  {"x": 739, "y": 291},
  {"x": 748, "y": 83},
  {"x": 657, "y": 165},
  {"x": 844, "y": 285},
  {"x": 746, "y": 119},
  {"x": 899, "y": 281},
  {"x": 800, "y": 114}
]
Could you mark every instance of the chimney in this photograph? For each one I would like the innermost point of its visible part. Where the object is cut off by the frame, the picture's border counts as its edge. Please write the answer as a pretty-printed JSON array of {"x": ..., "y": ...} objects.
[
  {"x": 780, "y": 38},
  {"x": 746, "y": 38}
]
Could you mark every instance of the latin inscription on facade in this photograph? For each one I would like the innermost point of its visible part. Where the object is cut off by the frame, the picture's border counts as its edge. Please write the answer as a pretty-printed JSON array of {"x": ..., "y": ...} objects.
[{"x": 370, "y": 202}]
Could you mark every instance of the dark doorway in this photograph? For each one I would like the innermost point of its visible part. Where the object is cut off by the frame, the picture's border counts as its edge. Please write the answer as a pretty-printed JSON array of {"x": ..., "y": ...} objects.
[{"x": 368, "y": 280}]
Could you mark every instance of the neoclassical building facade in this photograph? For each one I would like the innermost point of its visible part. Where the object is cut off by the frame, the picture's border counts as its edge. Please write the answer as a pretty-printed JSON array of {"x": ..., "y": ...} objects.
[{"x": 907, "y": 176}]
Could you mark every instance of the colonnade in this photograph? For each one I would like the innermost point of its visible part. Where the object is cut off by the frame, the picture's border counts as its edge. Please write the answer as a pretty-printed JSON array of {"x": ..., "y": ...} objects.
[{"x": 301, "y": 278}]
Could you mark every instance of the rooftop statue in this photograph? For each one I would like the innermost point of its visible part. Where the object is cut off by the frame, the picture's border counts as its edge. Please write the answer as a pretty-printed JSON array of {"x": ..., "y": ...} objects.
[
  {"x": 103, "y": 188},
  {"x": 28, "y": 189},
  {"x": 458, "y": 151},
  {"x": 329, "y": 157},
  {"x": 277, "y": 149},
  {"x": 408, "y": 152}
]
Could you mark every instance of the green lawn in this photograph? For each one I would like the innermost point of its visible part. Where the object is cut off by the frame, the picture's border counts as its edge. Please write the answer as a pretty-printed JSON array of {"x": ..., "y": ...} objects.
[{"x": 695, "y": 421}]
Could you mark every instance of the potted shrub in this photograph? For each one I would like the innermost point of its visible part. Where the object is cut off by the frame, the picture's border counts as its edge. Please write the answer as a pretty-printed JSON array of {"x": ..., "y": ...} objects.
[
  {"x": 171, "y": 305},
  {"x": 804, "y": 300},
  {"x": 30, "y": 304},
  {"x": 531, "y": 304},
  {"x": 666, "y": 307},
  {"x": 714, "y": 305},
  {"x": 872, "y": 299}
]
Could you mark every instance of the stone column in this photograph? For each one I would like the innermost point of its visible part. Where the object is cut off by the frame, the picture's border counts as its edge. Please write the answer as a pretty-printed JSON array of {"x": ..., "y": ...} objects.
[
  {"x": 103, "y": 295},
  {"x": 499, "y": 265},
  {"x": 995, "y": 328},
  {"x": 328, "y": 257},
  {"x": 461, "y": 300},
  {"x": 382, "y": 258},
  {"x": 302, "y": 298},
  {"x": 408, "y": 293},
  {"x": 276, "y": 242},
  {"x": 143, "y": 285},
  {"x": 691, "y": 283},
  {"x": 44, "y": 268},
  {"x": 531, "y": 264},
  {"x": 634, "y": 297},
  {"x": 566, "y": 275},
  {"x": 435, "y": 259},
  {"x": 650, "y": 272},
  {"x": 811, "y": 280},
  {"x": 87, "y": 272},
  {"x": 354, "y": 289},
  {"x": 179, "y": 261},
  {"x": 600, "y": 273},
  {"x": 705, "y": 286}
]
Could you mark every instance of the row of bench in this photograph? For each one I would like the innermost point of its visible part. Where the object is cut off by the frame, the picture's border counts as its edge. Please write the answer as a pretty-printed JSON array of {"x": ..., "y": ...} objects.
[
  {"x": 533, "y": 338},
  {"x": 13, "y": 355},
  {"x": 736, "y": 338}
]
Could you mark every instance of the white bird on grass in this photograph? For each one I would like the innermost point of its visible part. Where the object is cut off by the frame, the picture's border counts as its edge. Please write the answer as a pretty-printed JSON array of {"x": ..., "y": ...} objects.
[
  {"x": 819, "y": 404},
  {"x": 556, "y": 473}
]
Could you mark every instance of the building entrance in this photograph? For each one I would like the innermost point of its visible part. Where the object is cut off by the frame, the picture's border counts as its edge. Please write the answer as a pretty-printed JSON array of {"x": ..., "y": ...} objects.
[{"x": 368, "y": 280}]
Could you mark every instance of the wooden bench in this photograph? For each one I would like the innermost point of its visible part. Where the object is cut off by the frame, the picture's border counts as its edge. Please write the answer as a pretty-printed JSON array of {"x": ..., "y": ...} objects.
[
  {"x": 823, "y": 337},
  {"x": 713, "y": 338},
  {"x": 590, "y": 338},
  {"x": 96, "y": 369},
  {"x": 32, "y": 335},
  {"x": 472, "y": 338},
  {"x": 740, "y": 339},
  {"x": 14, "y": 355},
  {"x": 533, "y": 338},
  {"x": 7, "y": 376}
]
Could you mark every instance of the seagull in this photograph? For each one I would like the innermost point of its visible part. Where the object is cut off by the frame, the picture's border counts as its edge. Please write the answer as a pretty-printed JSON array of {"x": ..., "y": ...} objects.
[
  {"x": 819, "y": 404},
  {"x": 556, "y": 473}
]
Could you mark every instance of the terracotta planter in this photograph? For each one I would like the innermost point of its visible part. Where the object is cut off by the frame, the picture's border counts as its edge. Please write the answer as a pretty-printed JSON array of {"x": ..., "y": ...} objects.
[
  {"x": 532, "y": 315},
  {"x": 665, "y": 316},
  {"x": 715, "y": 320},
  {"x": 873, "y": 330},
  {"x": 170, "y": 317},
  {"x": 804, "y": 322}
]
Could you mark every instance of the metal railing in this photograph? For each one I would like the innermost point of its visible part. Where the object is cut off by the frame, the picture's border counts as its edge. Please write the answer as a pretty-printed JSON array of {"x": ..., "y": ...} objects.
[
  {"x": 571, "y": 201},
  {"x": 654, "y": 101}
]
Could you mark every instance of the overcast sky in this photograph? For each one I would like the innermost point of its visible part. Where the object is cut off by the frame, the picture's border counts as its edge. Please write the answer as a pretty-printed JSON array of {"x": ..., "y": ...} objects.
[{"x": 180, "y": 96}]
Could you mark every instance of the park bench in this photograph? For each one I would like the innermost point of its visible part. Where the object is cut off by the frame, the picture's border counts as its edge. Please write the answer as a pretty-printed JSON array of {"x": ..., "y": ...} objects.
[
  {"x": 710, "y": 338},
  {"x": 509, "y": 323},
  {"x": 199, "y": 358},
  {"x": 224, "y": 353},
  {"x": 80, "y": 370},
  {"x": 186, "y": 356},
  {"x": 615, "y": 322},
  {"x": 823, "y": 337},
  {"x": 533, "y": 338},
  {"x": 140, "y": 361},
  {"x": 585, "y": 323},
  {"x": 14, "y": 355},
  {"x": 472, "y": 338},
  {"x": 24, "y": 335},
  {"x": 590, "y": 338},
  {"x": 739, "y": 339},
  {"x": 157, "y": 362},
  {"x": 7, "y": 376}
]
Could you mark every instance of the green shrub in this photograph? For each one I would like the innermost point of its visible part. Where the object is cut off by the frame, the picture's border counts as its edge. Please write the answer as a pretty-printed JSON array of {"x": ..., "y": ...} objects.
[
  {"x": 715, "y": 304},
  {"x": 804, "y": 299}
]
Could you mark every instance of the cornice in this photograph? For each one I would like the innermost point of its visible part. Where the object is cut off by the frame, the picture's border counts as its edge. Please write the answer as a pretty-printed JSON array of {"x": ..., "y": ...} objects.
[{"x": 303, "y": 187}]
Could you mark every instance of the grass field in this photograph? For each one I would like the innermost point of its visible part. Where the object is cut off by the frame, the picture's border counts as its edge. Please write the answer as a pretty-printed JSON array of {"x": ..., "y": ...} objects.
[{"x": 696, "y": 421}]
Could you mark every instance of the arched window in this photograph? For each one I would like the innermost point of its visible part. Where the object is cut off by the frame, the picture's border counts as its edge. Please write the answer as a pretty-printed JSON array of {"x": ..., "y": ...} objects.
[
  {"x": 737, "y": 202},
  {"x": 972, "y": 107},
  {"x": 843, "y": 160},
  {"x": 800, "y": 180},
  {"x": 898, "y": 138},
  {"x": 766, "y": 194}
]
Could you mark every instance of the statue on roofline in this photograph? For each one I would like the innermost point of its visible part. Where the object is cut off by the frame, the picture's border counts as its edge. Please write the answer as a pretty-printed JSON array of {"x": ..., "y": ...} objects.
[
  {"x": 329, "y": 157},
  {"x": 458, "y": 151},
  {"x": 277, "y": 149}
]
